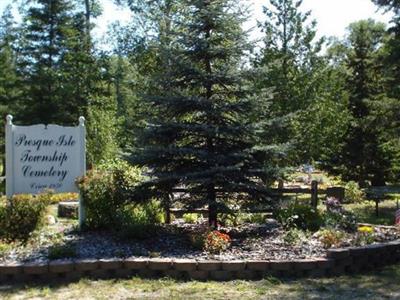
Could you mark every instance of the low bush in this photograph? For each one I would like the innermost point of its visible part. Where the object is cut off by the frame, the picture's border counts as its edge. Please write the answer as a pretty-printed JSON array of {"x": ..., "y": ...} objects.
[
  {"x": 139, "y": 221},
  {"x": 105, "y": 190},
  {"x": 22, "y": 215},
  {"x": 336, "y": 217},
  {"x": 216, "y": 242},
  {"x": 353, "y": 193},
  {"x": 256, "y": 218},
  {"x": 293, "y": 236},
  {"x": 191, "y": 218},
  {"x": 300, "y": 216},
  {"x": 365, "y": 236},
  {"x": 330, "y": 237}
]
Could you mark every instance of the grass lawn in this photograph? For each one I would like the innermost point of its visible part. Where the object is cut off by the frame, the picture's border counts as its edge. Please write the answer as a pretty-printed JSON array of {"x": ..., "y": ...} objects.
[
  {"x": 365, "y": 212},
  {"x": 380, "y": 285}
]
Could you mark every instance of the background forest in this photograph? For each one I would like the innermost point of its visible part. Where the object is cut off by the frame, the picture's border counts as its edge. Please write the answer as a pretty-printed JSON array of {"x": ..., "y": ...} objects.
[{"x": 184, "y": 92}]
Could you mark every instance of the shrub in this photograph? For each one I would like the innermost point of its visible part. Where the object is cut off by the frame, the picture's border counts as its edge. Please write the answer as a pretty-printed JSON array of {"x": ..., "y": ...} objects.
[
  {"x": 230, "y": 219},
  {"x": 197, "y": 240},
  {"x": 191, "y": 218},
  {"x": 293, "y": 236},
  {"x": 330, "y": 237},
  {"x": 22, "y": 216},
  {"x": 341, "y": 220},
  {"x": 139, "y": 221},
  {"x": 105, "y": 190},
  {"x": 353, "y": 193},
  {"x": 300, "y": 216},
  {"x": 216, "y": 242}
]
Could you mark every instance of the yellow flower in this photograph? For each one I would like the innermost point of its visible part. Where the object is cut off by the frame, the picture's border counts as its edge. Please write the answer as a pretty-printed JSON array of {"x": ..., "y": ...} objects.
[{"x": 366, "y": 229}]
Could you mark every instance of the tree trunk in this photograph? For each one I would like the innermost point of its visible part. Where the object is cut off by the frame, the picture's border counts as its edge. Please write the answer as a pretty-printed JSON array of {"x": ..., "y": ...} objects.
[{"x": 212, "y": 206}]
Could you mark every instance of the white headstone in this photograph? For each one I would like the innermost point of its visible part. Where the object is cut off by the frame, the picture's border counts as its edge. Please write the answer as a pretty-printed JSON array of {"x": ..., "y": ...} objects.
[{"x": 40, "y": 157}]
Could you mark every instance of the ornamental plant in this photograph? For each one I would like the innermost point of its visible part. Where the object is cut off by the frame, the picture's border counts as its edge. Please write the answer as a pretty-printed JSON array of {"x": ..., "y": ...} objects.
[
  {"x": 331, "y": 237},
  {"x": 365, "y": 235},
  {"x": 216, "y": 242}
]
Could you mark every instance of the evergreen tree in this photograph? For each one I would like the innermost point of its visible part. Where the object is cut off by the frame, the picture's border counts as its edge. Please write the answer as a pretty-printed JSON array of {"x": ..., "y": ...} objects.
[
  {"x": 362, "y": 157},
  {"x": 48, "y": 28},
  {"x": 10, "y": 87},
  {"x": 64, "y": 77},
  {"x": 305, "y": 99},
  {"x": 200, "y": 137}
]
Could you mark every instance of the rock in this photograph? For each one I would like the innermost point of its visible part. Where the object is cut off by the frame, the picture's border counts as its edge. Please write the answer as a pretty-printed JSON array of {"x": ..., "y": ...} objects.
[
  {"x": 50, "y": 220},
  {"x": 68, "y": 210}
]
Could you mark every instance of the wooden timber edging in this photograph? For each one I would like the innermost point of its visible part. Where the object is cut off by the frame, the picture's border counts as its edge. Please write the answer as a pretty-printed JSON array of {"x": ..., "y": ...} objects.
[{"x": 337, "y": 262}]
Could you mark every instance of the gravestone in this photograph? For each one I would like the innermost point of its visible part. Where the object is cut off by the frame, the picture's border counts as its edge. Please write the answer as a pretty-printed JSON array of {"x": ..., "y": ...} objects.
[{"x": 40, "y": 157}]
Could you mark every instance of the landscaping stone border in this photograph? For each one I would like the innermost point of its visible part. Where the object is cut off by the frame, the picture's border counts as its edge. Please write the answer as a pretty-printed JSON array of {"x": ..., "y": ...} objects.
[{"x": 337, "y": 262}]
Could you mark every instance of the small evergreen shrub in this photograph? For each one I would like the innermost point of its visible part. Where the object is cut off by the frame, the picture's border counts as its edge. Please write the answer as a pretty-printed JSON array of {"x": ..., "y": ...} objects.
[
  {"x": 22, "y": 215},
  {"x": 300, "y": 216}
]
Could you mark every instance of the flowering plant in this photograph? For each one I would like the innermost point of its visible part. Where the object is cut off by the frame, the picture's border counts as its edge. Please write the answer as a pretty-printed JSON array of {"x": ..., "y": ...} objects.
[
  {"x": 366, "y": 229},
  {"x": 365, "y": 235},
  {"x": 333, "y": 205},
  {"x": 216, "y": 242}
]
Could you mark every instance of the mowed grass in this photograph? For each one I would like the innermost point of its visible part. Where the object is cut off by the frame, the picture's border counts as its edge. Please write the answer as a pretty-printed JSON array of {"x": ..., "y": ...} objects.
[
  {"x": 366, "y": 212},
  {"x": 379, "y": 285}
]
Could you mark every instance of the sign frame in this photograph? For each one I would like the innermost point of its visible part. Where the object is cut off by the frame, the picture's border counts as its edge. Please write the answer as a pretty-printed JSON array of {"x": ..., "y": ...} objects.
[{"x": 80, "y": 136}]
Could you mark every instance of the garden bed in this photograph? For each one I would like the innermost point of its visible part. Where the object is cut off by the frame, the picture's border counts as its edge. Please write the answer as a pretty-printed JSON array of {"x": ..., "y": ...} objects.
[{"x": 268, "y": 241}]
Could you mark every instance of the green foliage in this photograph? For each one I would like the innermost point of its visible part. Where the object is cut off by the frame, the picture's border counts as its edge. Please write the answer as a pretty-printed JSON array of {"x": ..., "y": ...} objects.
[
  {"x": 191, "y": 218},
  {"x": 330, "y": 237},
  {"x": 4, "y": 248},
  {"x": 293, "y": 236},
  {"x": 60, "y": 251},
  {"x": 364, "y": 236},
  {"x": 200, "y": 134},
  {"x": 340, "y": 220},
  {"x": 363, "y": 156},
  {"x": 22, "y": 216},
  {"x": 139, "y": 221},
  {"x": 300, "y": 216},
  {"x": 197, "y": 240},
  {"x": 353, "y": 193},
  {"x": 256, "y": 218},
  {"x": 105, "y": 190}
]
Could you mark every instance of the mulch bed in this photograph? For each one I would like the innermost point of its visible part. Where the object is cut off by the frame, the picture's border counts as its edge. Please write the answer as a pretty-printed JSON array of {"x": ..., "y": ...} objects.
[{"x": 249, "y": 241}]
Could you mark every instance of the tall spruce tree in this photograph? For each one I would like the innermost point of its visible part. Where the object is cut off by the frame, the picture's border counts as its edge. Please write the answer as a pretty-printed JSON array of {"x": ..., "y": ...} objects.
[
  {"x": 200, "y": 137},
  {"x": 48, "y": 27},
  {"x": 362, "y": 157},
  {"x": 63, "y": 75}
]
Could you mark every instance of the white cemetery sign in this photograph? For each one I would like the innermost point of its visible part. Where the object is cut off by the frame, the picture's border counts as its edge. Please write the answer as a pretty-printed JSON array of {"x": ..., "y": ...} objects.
[{"x": 40, "y": 157}]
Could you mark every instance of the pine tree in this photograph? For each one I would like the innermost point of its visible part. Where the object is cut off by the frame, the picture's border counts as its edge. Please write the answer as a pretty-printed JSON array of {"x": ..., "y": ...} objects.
[
  {"x": 10, "y": 80},
  {"x": 362, "y": 157},
  {"x": 304, "y": 97},
  {"x": 201, "y": 137},
  {"x": 48, "y": 27},
  {"x": 64, "y": 76}
]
